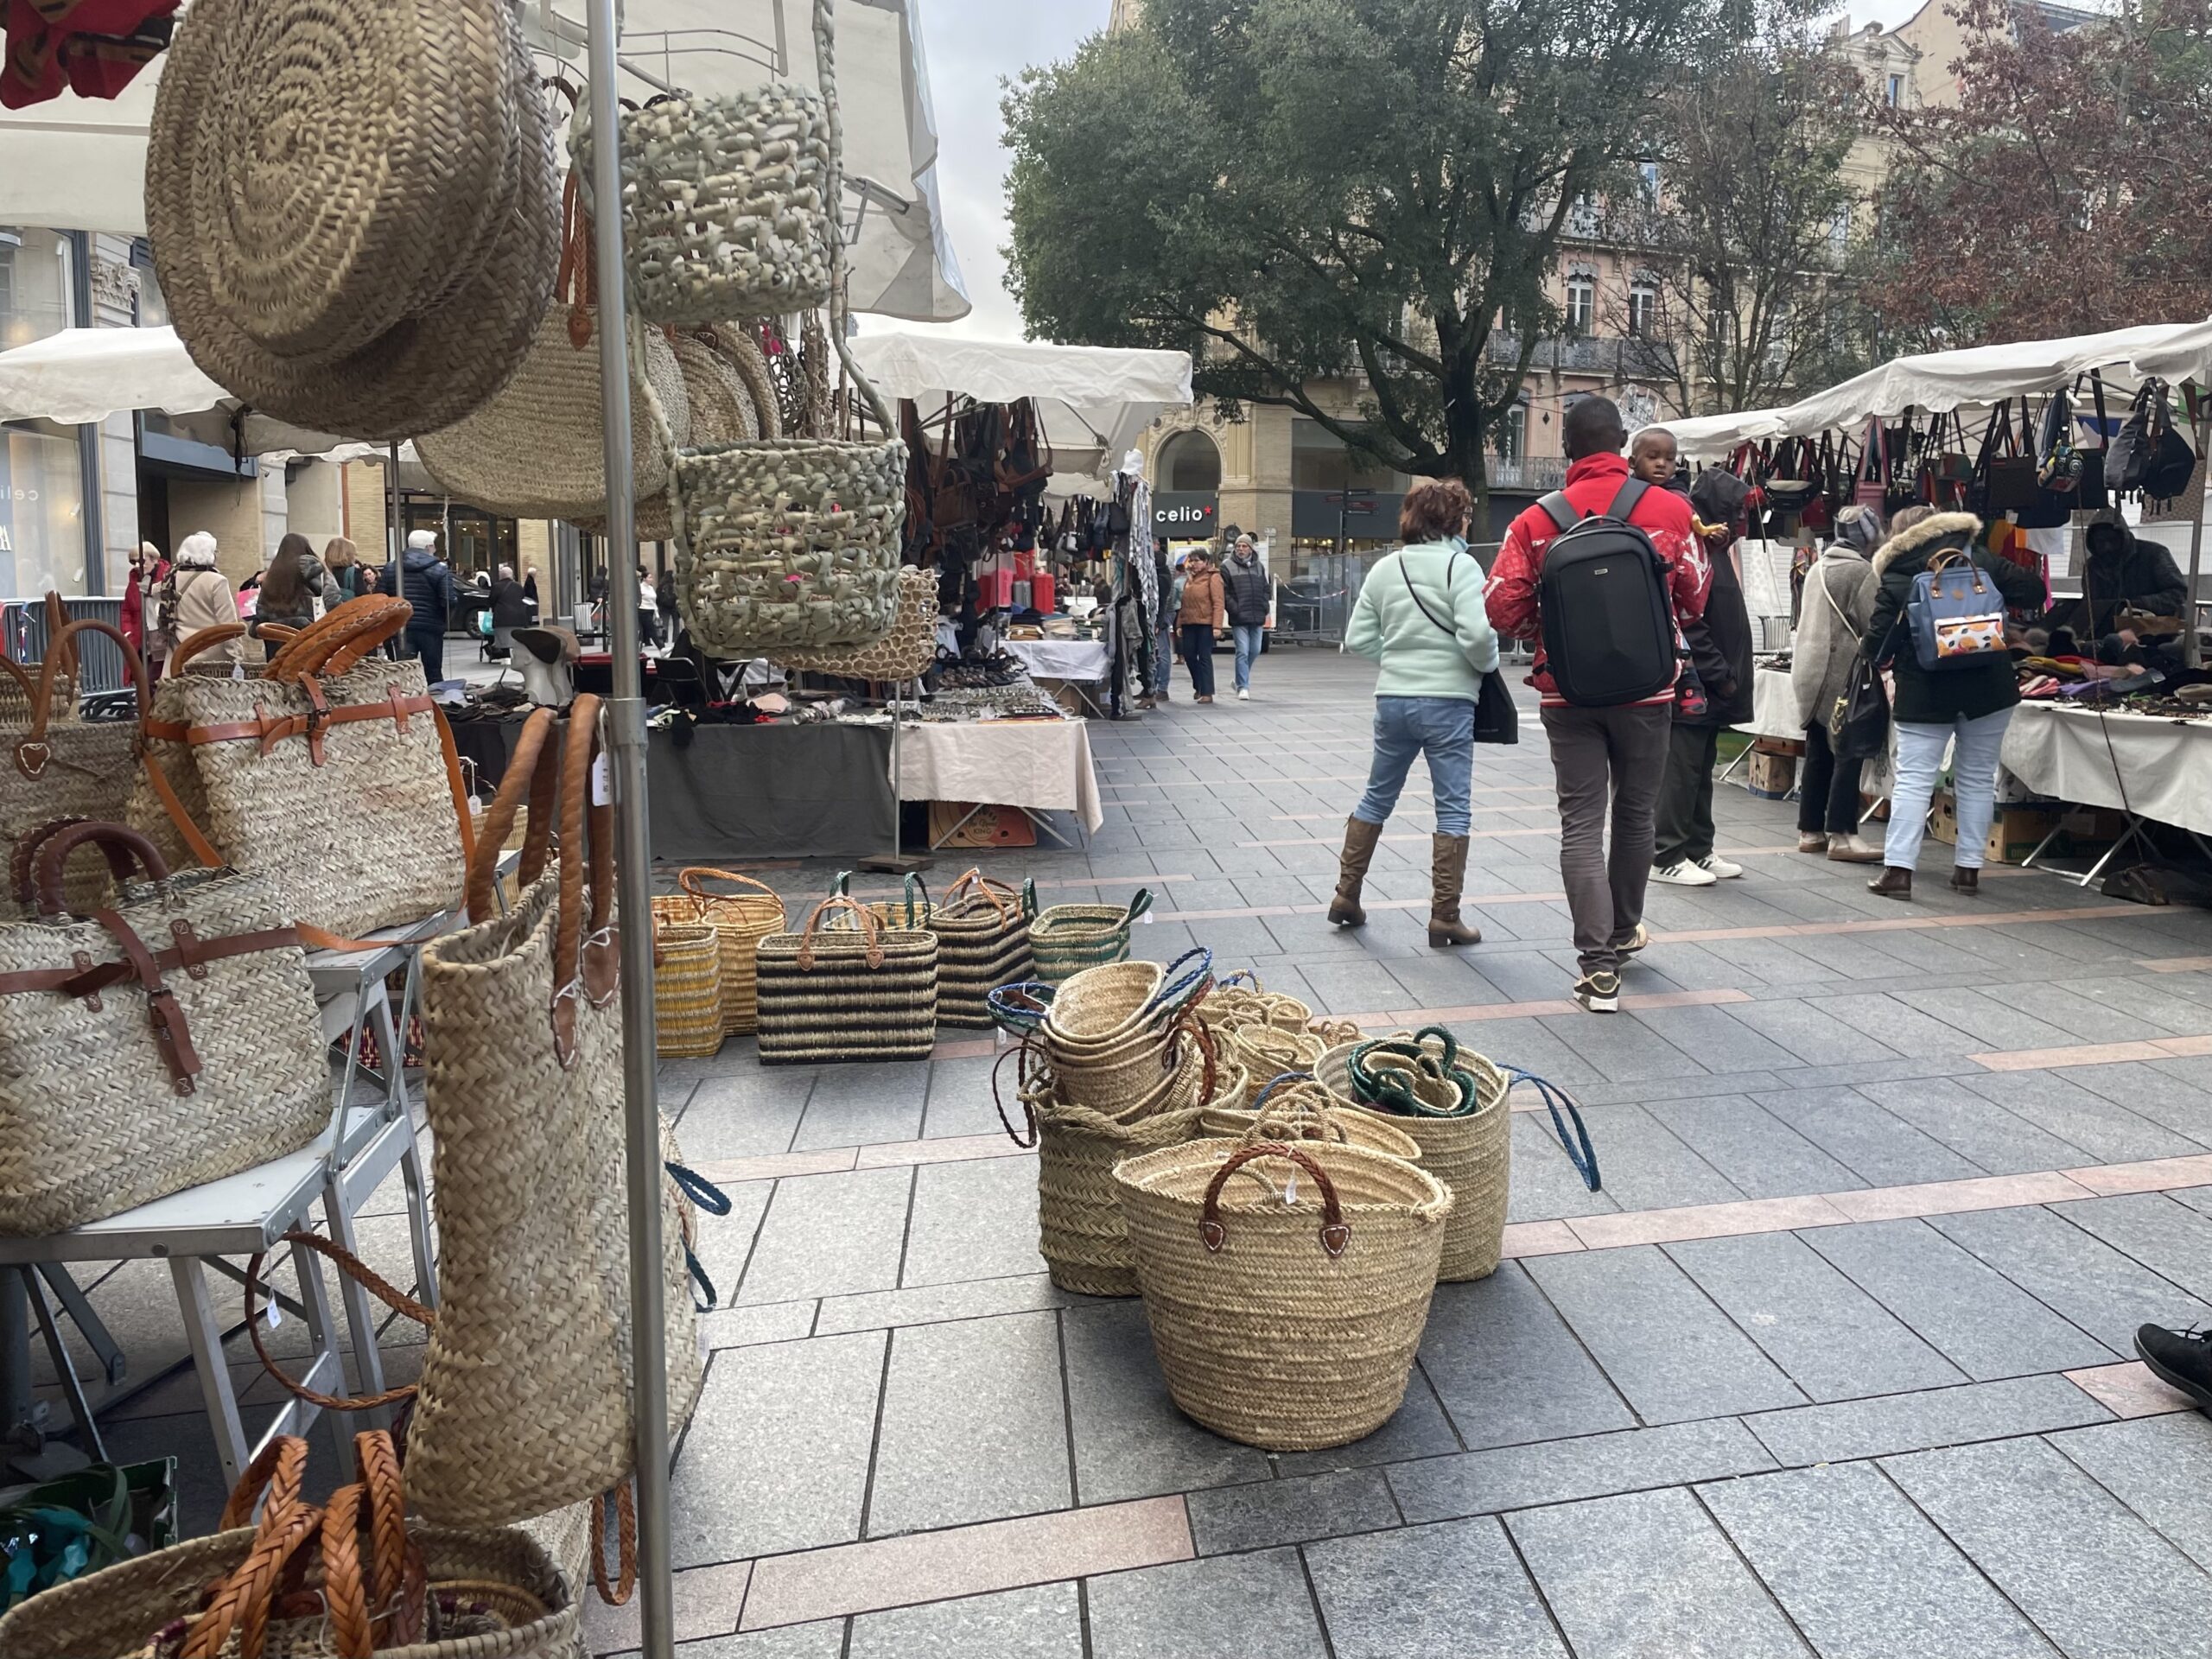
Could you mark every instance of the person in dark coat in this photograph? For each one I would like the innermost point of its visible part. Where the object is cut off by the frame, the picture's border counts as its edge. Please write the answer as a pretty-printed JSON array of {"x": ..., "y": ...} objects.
[
  {"x": 511, "y": 609},
  {"x": 1972, "y": 704},
  {"x": 430, "y": 591},
  {"x": 2134, "y": 597},
  {"x": 1720, "y": 651}
]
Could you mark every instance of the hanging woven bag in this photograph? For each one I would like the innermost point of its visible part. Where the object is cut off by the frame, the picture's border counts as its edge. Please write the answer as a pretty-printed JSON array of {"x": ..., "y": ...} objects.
[
  {"x": 525, "y": 1400},
  {"x": 537, "y": 450},
  {"x": 740, "y": 921},
  {"x": 70, "y": 768},
  {"x": 827, "y": 995},
  {"x": 334, "y": 774},
  {"x": 1293, "y": 1107},
  {"x": 726, "y": 204},
  {"x": 1287, "y": 1286},
  {"x": 349, "y": 1579},
  {"x": 353, "y": 208},
  {"x": 793, "y": 543},
  {"x": 902, "y": 654}
]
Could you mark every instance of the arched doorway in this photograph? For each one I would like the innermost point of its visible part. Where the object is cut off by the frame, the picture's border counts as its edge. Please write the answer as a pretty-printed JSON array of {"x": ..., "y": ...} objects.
[{"x": 1189, "y": 463}]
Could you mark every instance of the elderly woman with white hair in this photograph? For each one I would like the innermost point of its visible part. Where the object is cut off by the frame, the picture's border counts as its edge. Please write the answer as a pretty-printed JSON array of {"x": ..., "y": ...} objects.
[
  {"x": 429, "y": 589},
  {"x": 204, "y": 599}
]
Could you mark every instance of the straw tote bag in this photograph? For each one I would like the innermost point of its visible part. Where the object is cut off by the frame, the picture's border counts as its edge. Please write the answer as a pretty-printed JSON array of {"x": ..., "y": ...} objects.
[
  {"x": 793, "y": 543},
  {"x": 525, "y": 1399},
  {"x": 169, "y": 1040},
  {"x": 537, "y": 450},
  {"x": 740, "y": 921},
  {"x": 983, "y": 942},
  {"x": 334, "y": 774},
  {"x": 828, "y": 995},
  {"x": 387, "y": 276},
  {"x": 69, "y": 769},
  {"x": 373, "y": 1583},
  {"x": 900, "y": 655},
  {"x": 726, "y": 205}
]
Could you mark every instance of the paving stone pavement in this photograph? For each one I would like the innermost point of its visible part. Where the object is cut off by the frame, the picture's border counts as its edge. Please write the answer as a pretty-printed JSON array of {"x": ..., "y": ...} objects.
[{"x": 1837, "y": 1362}]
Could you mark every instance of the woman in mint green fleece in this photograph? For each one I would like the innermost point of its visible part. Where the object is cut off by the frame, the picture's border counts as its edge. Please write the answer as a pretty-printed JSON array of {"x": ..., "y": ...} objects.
[{"x": 1420, "y": 615}]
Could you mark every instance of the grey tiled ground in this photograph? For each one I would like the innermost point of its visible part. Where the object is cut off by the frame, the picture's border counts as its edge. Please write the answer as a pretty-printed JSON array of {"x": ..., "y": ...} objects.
[{"x": 1850, "y": 1440}]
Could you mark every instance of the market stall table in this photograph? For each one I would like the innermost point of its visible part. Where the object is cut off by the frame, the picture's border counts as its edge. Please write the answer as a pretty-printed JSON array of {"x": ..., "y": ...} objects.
[
  {"x": 2152, "y": 768},
  {"x": 1080, "y": 664},
  {"x": 1036, "y": 765}
]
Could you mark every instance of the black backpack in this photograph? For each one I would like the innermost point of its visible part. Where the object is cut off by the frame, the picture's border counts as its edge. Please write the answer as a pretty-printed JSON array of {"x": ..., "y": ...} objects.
[{"x": 1609, "y": 627}]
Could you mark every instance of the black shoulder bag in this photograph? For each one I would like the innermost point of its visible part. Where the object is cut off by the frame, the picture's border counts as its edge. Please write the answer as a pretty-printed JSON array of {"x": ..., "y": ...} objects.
[{"x": 1496, "y": 721}]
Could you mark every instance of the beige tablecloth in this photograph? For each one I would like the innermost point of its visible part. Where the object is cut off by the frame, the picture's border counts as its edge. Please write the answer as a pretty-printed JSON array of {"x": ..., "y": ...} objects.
[
  {"x": 2165, "y": 766},
  {"x": 1044, "y": 764}
]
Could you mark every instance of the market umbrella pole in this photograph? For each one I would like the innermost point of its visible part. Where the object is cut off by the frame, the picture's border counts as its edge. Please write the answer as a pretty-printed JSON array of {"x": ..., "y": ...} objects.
[
  {"x": 396, "y": 536},
  {"x": 625, "y": 728}
]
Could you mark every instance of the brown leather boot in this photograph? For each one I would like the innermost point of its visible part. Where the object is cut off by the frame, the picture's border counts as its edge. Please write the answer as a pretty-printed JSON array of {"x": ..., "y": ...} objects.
[
  {"x": 1448, "y": 877},
  {"x": 1360, "y": 837},
  {"x": 1894, "y": 882},
  {"x": 1967, "y": 882}
]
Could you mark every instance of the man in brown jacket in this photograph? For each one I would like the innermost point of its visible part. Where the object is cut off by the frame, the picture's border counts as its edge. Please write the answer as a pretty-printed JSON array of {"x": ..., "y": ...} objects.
[{"x": 1198, "y": 614}]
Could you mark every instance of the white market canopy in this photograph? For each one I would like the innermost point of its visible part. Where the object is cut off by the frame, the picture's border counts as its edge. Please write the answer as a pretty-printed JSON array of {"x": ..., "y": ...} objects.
[
  {"x": 1091, "y": 398},
  {"x": 74, "y": 163},
  {"x": 2184, "y": 355}
]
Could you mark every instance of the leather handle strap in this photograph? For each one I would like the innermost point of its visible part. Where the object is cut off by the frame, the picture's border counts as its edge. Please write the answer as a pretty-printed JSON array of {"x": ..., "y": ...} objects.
[
  {"x": 32, "y": 753},
  {"x": 122, "y": 846},
  {"x": 1335, "y": 1232},
  {"x": 23, "y": 867},
  {"x": 351, "y": 1267},
  {"x": 864, "y": 919},
  {"x": 341, "y": 638},
  {"x": 523, "y": 768},
  {"x": 172, "y": 1032},
  {"x": 205, "y": 640}
]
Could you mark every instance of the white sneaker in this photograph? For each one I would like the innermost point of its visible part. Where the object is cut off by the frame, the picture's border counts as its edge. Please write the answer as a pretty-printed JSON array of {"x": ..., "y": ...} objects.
[
  {"x": 1243, "y": 696},
  {"x": 1723, "y": 869},
  {"x": 1683, "y": 873}
]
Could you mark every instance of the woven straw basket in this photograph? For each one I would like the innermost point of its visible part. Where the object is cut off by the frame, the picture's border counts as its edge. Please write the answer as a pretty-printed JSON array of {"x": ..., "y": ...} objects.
[
  {"x": 69, "y": 768},
  {"x": 983, "y": 942},
  {"x": 868, "y": 993},
  {"x": 1293, "y": 1107},
  {"x": 901, "y": 654},
  {"x": 724, "y": 205},
  {"x": 524, "y": 1402},
  {"x": 102, "y": 1109},
  {"x": 1066, "y": 939},
  {"x": 1268, "y": 1052},
  {"x": 386, "y": 279},
  {"x": 1472, "y": 1155},
  {"x": 537, "y": 449},
  {"x": 1292, "y": 1326},
  {"x": 718, "y": 409},
  {"x": 1231, "y": 1005},
  {"x": 334, "y": 763},
  {"x": 686, "y": 989},
  {"x": 740, "y": 921}
]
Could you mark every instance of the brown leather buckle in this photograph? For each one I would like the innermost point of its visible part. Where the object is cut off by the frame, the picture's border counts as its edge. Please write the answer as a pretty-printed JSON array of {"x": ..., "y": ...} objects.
[
  {"x": 85, "y": 965},
  {"x": 318, "y": 717},
  {"x": 188, "y": 943},
  {"x": 170, "y": 1031}
]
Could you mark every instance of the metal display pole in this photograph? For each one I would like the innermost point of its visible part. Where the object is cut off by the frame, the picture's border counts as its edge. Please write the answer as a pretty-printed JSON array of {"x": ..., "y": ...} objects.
[
  {"x": 396, "y": 535},
  {"x": 2191, "y": 651},
  {"x": 898, "y": 861},
  {"x": 625, "y": 728}
]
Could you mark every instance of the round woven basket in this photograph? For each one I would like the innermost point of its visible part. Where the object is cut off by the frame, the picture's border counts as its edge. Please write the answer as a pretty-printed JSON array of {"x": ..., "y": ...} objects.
[
  {"x": 901, "y": 654},
  {"x": 1079, "y": 1228},
  {"x": 1232, "y": 1006},
  {"x": 1472, "y": 1155},
  {"x": 385, "y": 278},
  {"x": 1290, "y": 1112},
  {"x": 1066, "y": 940},
  {"x": 740, "y": 921},
  {"x": 686, "y": 989},
  {"x": 1101, "y": 1005},
  {"x": 1268, "y": 1051},
  {"x": 1287, "y": 1304}
]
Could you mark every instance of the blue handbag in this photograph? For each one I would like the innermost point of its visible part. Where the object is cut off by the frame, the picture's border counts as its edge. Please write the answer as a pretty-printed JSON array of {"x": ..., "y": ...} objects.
[{"x": 1956, "y": 614}]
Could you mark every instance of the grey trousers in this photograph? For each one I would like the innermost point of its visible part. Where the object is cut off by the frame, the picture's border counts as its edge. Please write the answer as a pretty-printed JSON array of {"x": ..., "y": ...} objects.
[{"x": 1603, "y": 757}]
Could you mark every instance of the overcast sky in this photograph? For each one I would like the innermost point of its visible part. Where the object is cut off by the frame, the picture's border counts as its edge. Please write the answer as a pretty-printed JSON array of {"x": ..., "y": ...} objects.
[{"x": 972, "y": 45}]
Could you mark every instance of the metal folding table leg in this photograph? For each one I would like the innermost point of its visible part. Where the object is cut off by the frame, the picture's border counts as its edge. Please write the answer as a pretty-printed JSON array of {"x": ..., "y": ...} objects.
[
  {"x": 89, "y": 1325},
  {"x": 65, "y": 1367},
  {"x": 205, "y": 1335}
]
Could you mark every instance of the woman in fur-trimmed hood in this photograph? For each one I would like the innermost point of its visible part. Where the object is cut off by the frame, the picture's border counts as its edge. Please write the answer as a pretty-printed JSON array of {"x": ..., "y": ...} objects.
[{"x": 1972, "y": 702}]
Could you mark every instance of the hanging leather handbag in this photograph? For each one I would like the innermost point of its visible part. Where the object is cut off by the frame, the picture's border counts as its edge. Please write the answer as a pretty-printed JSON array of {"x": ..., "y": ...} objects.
[
  {"x": 2008, "y": 476},
  {"x": 2092, "y": 494},
  {"x": 1902, "y": 488},
  {"x": 2172, "y": 462},
  {"x": 1871, "y": 488}
]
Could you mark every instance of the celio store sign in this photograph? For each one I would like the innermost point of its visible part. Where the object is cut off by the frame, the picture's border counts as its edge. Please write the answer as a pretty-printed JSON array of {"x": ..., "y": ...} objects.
[{"x": 1185, "y": 516}]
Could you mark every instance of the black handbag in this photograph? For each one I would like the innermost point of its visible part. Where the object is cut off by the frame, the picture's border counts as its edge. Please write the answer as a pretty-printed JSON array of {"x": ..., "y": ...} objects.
[
  {"x": 1859, "y": 725},
  {"x": 2007, "y": 481},
  {"x": 2091, "y": 495},
  {"x": 1496, "y": 721}
]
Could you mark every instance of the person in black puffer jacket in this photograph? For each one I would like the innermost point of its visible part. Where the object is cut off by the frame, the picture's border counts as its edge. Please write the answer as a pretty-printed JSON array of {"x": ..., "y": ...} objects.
[
  {"x": 1720, "y": 650},
  {"x": 429, "y": 590},
  {"x": 1973, "y": 702}
]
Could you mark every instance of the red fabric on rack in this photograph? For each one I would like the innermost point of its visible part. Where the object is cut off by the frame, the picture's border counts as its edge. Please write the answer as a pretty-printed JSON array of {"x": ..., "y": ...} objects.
[{"x": 93, "y": 47}]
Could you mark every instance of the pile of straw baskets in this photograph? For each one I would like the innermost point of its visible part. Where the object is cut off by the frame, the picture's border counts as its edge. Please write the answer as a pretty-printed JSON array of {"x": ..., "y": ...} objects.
[{"x": 1284, "y": 1195}]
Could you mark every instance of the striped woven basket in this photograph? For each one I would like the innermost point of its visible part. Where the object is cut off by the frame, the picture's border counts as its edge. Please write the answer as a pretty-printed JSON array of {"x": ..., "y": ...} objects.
[
  {"x": 686, "y": 989},
  {"x": 1286, "y": 1309},
  {"x": 740, "y": 921},
  {"x": 1068, "y": 939},
  {"x": 1471, "y": 1153},
  {"x": 829, "y": 995},
  {"x": 983, "y": 942}
]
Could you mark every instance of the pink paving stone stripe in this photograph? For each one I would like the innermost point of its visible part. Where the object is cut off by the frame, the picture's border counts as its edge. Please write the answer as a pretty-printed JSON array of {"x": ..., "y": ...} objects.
[
  {"x": 1955, "y": 1198},
  {"x": 1704, "y": 1221},
  {"x": 2130, "y": 1390},
  {"x": 1541, "y": 1238},
  {"x": 2177, "y": 964},
  {"x": 1477, "y": 899},
  {"x": 2032, "y": 1059},
  {"x": 2157, "y": 1175},
  {"x": 1895, "y": 923},
  {"x": 776, "y": 1167},
  {"x": 966, "y": 1561},
  {"x": 1391, "y": 1018},
  {"x": 707, "y": 1600},
  {"x": 966, "y": 1048},
  {"x": 953, "y": 1149}
]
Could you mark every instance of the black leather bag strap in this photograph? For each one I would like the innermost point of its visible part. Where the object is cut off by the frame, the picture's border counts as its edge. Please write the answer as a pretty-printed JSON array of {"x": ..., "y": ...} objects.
[
  {"x": 1450, "y": 565},
  {"x": 1625, "y": 503}
]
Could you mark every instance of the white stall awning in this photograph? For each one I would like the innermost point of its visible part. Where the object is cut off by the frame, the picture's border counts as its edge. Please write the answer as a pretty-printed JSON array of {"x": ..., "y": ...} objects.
[
  {"x": 1093, "y": 398},
  {"x": 74, "y": 163},
  {"x": 2185, "y": 355},
  {"x": 1716, "y": 437}
]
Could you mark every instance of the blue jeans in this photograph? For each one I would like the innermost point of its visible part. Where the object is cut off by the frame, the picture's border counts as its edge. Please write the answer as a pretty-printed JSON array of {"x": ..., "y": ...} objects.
[
  {"x": 1441, "y": 728},
  {"x": 1163, "y": 654},
  {"x": 1248, "y": 647},
  {"x": 1974, "y": 784}
]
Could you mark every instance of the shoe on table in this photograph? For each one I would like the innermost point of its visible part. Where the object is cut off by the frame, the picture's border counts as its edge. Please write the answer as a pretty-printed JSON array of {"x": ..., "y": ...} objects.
[
  {"x": 1683, "y": 873},
  {"x": 1243, "y": 696},
  {"x": 1812, "y": 840},
  {"x": 1719, "y": 868},
  {"x": 1637, "y": 941},
  {"x": 1600, "y": 991},
  {"x": 2180, "y": 1359},
  {"x": 1853, "y": 849}
]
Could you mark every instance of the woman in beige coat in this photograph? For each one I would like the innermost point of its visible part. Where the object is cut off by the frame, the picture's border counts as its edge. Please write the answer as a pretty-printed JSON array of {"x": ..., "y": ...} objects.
[
  {"x": 1838, "y": 599},
  {"x": 204, "y": 600}
]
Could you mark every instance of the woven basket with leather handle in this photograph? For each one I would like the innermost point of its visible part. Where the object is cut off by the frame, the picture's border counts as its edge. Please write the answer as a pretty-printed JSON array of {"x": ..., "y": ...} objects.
[
  {"x": 68, "y": 769},
  {"x": 740, "y": 921},
  {"x": 901, "y": 654}
]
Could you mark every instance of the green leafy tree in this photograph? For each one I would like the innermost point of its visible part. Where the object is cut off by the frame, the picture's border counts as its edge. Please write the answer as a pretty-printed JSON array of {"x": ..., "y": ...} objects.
[{"x": 1296, "y": 190}]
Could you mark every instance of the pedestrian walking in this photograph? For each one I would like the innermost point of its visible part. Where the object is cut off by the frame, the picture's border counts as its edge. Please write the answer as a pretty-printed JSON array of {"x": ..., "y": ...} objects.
[
  {"x": 1967, "y": 699},
  {"x": 197, "y": 596},
  {"x": 1246, "y": 591},
  {"x": 1720, "y": 652},
  {"x": 648, "y": 610},
  {"x": 342, "y": 560},
  {"x": 1198, "y": 613},
  {"x": 428, "y": 585},
  {"x": 1420, "y": 615},
  {"x": 1839, "y": 603},
  {"x": 291, "y": 589},
  {"x": 1603, "y": 750}
]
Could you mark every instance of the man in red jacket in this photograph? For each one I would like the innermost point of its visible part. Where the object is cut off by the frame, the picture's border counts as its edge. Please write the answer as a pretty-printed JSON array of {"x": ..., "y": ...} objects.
[{"x": 1617, "y": 753}]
